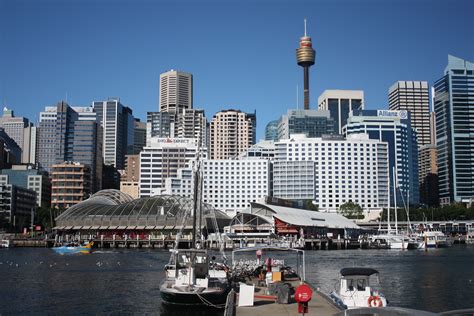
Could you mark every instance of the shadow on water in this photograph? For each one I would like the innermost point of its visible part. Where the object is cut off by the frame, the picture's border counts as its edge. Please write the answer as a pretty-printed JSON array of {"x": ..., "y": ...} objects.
[{"x": 174, "y": 310}]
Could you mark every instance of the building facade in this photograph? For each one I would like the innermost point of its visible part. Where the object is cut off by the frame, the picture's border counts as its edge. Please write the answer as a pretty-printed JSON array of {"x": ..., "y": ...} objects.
[
  {"x": 15, "y": 128},
  {"x": 10, "y": 152},
  {"x": 25, "y": 176},
  {"x": 271, "y": 130},
  {"x": 71, "y": 184},
  {"x": 393, "y": 127},
  {"x": 118, "y": 130},
  {"x": 17, "y": 205},
  {"x": 312, "y": 123},
  {"x": 162, "y": 160},
  {"x": 231, "y": 133},
  {"x": 340, "y": 103},
  {"x": 428, "y": 172},
  {"x": 454, "y": 108},
  {"x": 139, "y": 137},
  {"x": 332, "y": 170},
  {"x": 176, "y": 91},
  {"x": 413, "y": 96}
]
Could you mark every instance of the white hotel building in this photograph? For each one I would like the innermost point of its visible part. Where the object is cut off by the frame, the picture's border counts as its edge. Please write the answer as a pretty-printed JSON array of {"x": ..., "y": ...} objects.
[{"x": 353, "y": 169}]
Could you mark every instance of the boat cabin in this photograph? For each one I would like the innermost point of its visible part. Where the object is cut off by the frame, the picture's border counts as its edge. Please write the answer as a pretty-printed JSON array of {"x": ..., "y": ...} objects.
[{"x": 356, "y": 279}]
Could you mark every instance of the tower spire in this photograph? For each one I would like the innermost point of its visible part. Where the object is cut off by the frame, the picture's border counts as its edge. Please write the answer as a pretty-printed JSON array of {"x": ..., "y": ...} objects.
[{"x": 305, "y": 27}]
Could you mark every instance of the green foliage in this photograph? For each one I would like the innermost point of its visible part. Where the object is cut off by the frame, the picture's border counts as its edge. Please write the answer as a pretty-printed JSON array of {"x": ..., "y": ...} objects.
[
  {"x": 45, "y": 217},
  {"x": 351, "y": 210},
  {"x": 447, "y": 213},
  {"x": 308, "y": 205}
]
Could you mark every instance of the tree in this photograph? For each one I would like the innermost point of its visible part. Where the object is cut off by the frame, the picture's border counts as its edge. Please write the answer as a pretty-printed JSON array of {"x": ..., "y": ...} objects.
[
  {"x": 351, "y": 210},
  {"x": 310, "y": 206}
]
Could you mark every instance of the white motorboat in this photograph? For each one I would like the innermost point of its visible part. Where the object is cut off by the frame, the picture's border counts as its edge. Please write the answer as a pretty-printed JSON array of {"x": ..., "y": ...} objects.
[
  {"x": 435, "y": 239},
  {"x": 5, "y": 243},
  {"x": 356, "y": 291}
]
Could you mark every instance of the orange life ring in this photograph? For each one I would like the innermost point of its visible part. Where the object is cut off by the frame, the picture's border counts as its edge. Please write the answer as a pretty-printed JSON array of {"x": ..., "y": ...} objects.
[{"x": 374, "y": 301}]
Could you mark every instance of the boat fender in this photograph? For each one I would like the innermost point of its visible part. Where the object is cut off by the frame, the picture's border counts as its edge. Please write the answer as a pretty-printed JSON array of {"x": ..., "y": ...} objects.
[{"x": 374, "y": 301}]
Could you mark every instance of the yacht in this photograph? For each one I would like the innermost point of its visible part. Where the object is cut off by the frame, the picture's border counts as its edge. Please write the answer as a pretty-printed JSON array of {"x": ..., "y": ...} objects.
[
  {"x": 356, "y": 291},
  {"x": 193, "y": 278},
  {"x": 5, "y": 243}
]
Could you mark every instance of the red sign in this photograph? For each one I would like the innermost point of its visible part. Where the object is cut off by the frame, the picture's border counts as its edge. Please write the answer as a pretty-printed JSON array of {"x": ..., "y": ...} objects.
[{"x": 303, "y": 293}]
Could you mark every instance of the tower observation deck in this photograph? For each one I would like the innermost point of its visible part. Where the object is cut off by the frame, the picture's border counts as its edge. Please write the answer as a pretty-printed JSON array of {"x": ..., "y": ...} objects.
[{"x": 305, "y": 56}]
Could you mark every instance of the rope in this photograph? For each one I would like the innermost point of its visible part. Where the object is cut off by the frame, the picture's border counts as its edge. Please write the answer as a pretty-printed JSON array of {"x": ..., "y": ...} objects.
[{"x": 208, "y": 303}]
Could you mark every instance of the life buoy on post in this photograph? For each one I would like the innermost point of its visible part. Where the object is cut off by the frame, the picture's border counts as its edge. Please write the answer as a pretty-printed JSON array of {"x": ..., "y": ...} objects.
[{"x": 374, "y": 301}]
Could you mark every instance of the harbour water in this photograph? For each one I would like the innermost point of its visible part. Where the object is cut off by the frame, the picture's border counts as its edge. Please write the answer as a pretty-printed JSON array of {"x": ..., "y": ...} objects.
[{"x": 117, "y": 281}]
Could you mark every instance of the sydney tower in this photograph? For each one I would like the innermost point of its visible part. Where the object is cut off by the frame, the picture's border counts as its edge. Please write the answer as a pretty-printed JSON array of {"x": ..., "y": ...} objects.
[{"x": 305, "y": 56}]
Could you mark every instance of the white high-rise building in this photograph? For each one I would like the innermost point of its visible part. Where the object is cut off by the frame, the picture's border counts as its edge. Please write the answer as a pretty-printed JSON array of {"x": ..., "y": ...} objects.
[
  {"x": 176, "y": 91},
  {"x": 340, "y": 103},
  {"x": 336, "y": 170}
]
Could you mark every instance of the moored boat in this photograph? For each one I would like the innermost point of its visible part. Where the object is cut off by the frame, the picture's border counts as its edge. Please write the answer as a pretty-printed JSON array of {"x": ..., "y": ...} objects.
[
  {"x": 193, "y": 278},
  {"x": 5, "y": 243},
  {"x": 356, "y": 291},
  {"x": 435, "y": 239},
  {"x": 74, "y": 247}
]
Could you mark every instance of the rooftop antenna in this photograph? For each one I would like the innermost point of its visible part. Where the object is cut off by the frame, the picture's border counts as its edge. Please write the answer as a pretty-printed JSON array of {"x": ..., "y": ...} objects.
[{"x": 305, "y": 27}]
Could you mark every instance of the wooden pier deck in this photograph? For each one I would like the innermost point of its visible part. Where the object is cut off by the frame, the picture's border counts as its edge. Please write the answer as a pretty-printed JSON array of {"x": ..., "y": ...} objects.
[{"x": 319, "y": 305}]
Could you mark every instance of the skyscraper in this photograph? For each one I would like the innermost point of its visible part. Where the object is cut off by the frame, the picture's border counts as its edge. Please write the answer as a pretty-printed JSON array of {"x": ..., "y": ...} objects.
[
  {"x": 393, "y": 127},
  {"x": 454, "y": 108},
  {"x": 413, "y": 96},
  {"x": 340, "y": 103},
  {"x": 176, "y": 91},
  {"x": 118, "y": 129},
  {"x": 305, "y": 56},
  {"x": 71, "y": 134},
  {"x": 139, "y": 138},
  {"x": 231, "y": 133}
]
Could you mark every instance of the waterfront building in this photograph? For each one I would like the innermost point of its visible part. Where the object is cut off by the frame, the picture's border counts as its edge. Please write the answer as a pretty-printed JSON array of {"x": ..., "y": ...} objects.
[
  {"x": 340, "y": 103},
  {"x": 27, "y": 177},
  {"x": 232, "y": 132},
  {"x": 312, "y": 123},
  {"x": 413, "y": 96},
  {"x": 428, "y": 170},
  {"x": 15, "y": 128},
  {"x": 454, "y": 105},
  {"x": 117, "y": 124},
  {"x": 71, "y": 184},
  {"x": 162, "y": 159},
  {"x": 332, "y": 170},
  {"x": 271, "y": 130},
  {"x": 176, "y": 91},
  {"x": 10, "y": 153},
  {"x": 221, "y": 188},
  {"x": 139, "y": 138},
  {"x": 393, "y": 127},
  {"x": 264, "y": 149},
  {"x": 17, "y": 205}
]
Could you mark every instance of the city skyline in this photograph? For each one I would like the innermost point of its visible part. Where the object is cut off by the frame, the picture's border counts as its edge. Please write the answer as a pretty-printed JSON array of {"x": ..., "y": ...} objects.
[{"x": 56, "y": 51}]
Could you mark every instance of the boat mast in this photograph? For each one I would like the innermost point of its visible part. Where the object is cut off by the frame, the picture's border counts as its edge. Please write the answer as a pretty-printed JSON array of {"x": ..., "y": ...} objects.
[
  {"x": 395, "y": 199},
  {"x": 195, "y": 205}
]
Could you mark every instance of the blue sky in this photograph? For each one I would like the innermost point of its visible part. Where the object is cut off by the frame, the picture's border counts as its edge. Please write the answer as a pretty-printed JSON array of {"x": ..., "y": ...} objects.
[{"x": 241, "y": 53}]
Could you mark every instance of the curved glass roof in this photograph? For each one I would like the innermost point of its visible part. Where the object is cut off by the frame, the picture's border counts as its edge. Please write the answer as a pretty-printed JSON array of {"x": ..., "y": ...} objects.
[{"x": 114, "y": 209}]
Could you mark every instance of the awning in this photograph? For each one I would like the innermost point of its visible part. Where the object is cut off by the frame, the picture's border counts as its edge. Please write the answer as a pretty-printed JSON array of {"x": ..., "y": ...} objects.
[
  {"x": 86, "y": 227},
  {"x": 95, "y": 227},
  {"x": 131, "y": 227},
  {"x": 151, "y": 227},
  {"x": 143, "y": 227},
  {"x": 168, "y": 227},
  {"x": 67, "y": 227},
  {"x": 288, "y": 230},
  {"x": 76, "y": 227},
  {"x": 121, "y": 227},
  {"x": 110, "y": 227}
]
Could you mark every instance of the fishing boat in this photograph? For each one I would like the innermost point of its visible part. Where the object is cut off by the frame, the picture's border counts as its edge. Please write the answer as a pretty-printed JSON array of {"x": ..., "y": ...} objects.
[
  {"x": 74, "y": 247},
  {"x": 356, "y": 291}
]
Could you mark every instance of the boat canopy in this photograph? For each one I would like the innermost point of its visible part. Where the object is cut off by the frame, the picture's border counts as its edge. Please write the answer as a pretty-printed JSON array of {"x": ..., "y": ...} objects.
[{"x": 358, "y": 271}]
